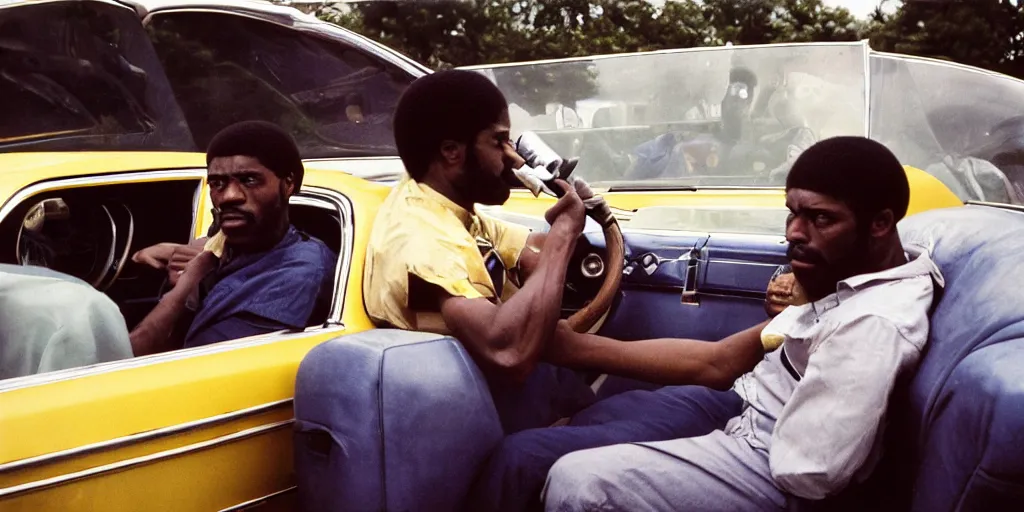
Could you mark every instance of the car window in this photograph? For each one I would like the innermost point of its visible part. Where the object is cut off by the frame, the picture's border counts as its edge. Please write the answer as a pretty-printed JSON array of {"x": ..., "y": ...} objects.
[
  {"x": 962, "y": 125},
  {"x": 82, "y": 76},
  {"x": 80, "y": 240},
  {"x": 335, "y": 99}
]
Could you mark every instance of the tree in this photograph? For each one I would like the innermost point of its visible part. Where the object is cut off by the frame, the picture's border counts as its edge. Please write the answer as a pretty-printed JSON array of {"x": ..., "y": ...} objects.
[
  {"x": 983, "y": 33},
  {"x": 987, "y": 34}
]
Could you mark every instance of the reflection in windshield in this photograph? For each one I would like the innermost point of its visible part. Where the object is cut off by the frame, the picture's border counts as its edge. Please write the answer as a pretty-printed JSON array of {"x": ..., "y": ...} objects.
[
  {"x": 735, "y": 116},
  {"x": 739, "y": 116},
  {"x": 225, "y": 68},
  {"x": 78, "y": 74},
  {"x": 963, "y": 126}
]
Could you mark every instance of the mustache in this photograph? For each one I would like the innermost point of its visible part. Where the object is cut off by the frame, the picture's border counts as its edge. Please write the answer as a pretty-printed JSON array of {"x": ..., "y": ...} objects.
[
  {"x": 230, "y": 210},
  {"x": 802, "y": 253}
]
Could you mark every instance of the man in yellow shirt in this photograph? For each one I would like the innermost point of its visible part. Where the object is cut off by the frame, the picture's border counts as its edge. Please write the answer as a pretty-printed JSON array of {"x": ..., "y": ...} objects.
[{"x": 434, "y": 264}]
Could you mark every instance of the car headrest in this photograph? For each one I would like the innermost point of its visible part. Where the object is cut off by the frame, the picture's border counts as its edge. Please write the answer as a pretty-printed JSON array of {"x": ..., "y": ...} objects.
[
  {"x": 978, "y": 250},
  {"x": 390, "y": 420}
]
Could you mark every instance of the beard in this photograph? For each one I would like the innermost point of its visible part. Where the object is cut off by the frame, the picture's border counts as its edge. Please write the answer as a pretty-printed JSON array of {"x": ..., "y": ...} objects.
[
  {"x": 821, "y": 280},
  {"x": 482, "y": 186}
]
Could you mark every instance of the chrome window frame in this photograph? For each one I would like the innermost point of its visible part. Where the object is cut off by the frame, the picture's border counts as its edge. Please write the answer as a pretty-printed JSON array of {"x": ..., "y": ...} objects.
[{"x": 308, "y": 195}]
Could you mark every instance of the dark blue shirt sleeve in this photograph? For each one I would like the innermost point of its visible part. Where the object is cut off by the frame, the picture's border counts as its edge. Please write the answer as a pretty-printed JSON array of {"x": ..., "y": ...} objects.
[{"x": 234, "y": 327}]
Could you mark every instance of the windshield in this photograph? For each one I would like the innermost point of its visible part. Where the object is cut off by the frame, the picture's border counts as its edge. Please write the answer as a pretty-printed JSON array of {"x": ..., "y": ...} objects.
[
  {"x": 730, "y": 116},
  {"x": 336, "y": 100},
  {"x": 82, "y": 75},
  {"x": 964, "y": 126}
]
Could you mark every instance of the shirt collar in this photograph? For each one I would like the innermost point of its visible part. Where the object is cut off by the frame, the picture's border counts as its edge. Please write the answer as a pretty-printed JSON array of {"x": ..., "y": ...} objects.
[
  {"x": 466, "y": 217},
  {"x": 919, "y": 264}
]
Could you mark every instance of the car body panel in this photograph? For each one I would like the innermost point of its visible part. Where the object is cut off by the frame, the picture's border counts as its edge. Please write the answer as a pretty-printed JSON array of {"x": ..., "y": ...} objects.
[
  {"x": 126, "y": 404},
  {"x": 209, "y": 428},
  {"x": 927, "y": 193}
]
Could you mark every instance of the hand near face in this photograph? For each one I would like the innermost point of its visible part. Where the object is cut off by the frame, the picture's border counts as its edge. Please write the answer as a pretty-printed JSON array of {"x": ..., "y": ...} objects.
[
  {"x": 569, "y": 212},
  {"x": 196, "y": 269},
  {"x": 783, "y": 291},
  {"x": 169, "y": 256}
]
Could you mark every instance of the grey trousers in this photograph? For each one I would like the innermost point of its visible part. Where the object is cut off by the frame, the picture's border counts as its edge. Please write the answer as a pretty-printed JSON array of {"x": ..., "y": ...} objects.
[{"x": 715, "y": 472}]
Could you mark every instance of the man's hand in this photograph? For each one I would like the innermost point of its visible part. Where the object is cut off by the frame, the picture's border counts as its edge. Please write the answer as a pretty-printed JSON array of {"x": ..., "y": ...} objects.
[
  {"x": 197, "y": 268},
  {"x": 568, "y": 213},
  {"x": 156, "y": 256},
  {"x": 783, "y": 291},
  {"x": 169, "y": 256},
  {"x": 154, "y": 333},
  {"x": 595, "y": 205}
]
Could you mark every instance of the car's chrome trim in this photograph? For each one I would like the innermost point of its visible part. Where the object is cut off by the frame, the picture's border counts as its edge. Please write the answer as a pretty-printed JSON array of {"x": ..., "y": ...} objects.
[
  {"x": 136, "y": 362},
  {"x": 4, "y": 4},
  {"x": 1004, "y": 206},
  {"x": 586, "y": 58},
  {"x": 348, "y": 226},
  {"x": 197, "y": 199},
  {"x": 46, "y": 483},
  {"x": 141, "y": 437},
  {"x": 243, "y": 506},
  {"x": 867, "y": 89}
]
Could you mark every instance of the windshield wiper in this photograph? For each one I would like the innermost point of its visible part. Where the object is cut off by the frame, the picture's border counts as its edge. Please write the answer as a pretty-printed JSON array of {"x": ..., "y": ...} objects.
[{"x": 651, "y": 187}]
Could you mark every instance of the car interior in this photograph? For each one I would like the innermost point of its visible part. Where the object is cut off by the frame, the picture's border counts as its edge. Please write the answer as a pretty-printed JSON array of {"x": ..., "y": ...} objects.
[{"x": 91, "y": 233}]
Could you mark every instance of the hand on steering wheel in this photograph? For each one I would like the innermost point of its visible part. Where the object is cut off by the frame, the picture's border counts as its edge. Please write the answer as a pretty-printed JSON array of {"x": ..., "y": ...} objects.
[
  {"x": 597, "y": 208},
  {"x": 568, "y": 211}
]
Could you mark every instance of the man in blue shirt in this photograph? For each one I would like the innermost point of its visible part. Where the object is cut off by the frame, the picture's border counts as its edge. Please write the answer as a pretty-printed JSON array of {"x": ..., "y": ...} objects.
[{"x": 269, "y": 277}]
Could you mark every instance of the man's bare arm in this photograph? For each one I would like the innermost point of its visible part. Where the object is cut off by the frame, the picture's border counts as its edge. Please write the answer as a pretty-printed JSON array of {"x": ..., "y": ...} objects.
[
  {"x": 529, "y": 258},
  {"x": 665, "y": 361},
  {"x": 508, "y": 338},
  {"x": 154, "y": 334}
]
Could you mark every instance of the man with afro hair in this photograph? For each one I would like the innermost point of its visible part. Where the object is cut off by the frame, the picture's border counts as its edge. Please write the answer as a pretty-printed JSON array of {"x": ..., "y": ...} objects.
[
  {"x": 813, "y": 410},
  {"x": 258, "y": 274}
]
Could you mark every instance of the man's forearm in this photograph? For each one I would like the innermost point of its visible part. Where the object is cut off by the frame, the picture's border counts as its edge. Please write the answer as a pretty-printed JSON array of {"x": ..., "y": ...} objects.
[
  {"x": 667, "y": 361},
  {"x": 511, "y": 336},
  {"x": 154, "y": 333},
  {"x": 536, "y": 308}
]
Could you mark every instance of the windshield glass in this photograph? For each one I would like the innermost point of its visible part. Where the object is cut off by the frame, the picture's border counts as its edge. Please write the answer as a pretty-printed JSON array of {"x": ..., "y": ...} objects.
[
  {"x": 335, "y": 99},
  {"x": 964, "y": 126},
  {"x": 81, "y": 76},
  {"x": 730, "y": 116}
]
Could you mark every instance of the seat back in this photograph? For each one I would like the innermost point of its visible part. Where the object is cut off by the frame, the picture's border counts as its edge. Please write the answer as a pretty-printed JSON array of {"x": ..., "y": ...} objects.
[
  {"x": 390, "y": 420},
  {"x": 978, "y": 249},
  {"x": 966, "y": 411},
  {"x": 960, "y": 414}
]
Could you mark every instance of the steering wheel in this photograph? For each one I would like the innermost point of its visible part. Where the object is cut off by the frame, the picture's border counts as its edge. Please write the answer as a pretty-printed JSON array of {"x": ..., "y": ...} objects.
[
  {"x": 592, "y": 315},
  {"x": 86, "y": 240}
]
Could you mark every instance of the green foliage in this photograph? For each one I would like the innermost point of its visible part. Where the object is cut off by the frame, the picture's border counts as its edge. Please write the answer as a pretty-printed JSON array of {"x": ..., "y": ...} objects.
[
  {"x": 444, "y": 34},
  {"x": 987, "y": 34}
]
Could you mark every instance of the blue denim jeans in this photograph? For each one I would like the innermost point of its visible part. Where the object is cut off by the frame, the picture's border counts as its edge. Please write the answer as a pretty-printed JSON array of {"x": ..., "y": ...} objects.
[{"x": 514, "y": 475}]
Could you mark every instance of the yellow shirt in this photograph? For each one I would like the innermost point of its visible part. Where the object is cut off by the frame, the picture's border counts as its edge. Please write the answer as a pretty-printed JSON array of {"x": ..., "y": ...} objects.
[{"x": 419, "y": 232}]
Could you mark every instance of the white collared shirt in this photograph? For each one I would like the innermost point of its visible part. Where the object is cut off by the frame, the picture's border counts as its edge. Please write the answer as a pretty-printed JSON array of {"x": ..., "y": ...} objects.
[{"x": 821, "y": 418}]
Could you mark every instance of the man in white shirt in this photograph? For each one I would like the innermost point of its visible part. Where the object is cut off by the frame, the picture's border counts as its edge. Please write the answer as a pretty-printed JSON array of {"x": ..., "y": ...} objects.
[{"x": 814, "y": 410}]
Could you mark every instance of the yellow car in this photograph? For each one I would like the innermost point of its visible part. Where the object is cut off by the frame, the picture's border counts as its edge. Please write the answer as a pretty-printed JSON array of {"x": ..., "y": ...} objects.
[{"x": 106, "y": 128}]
